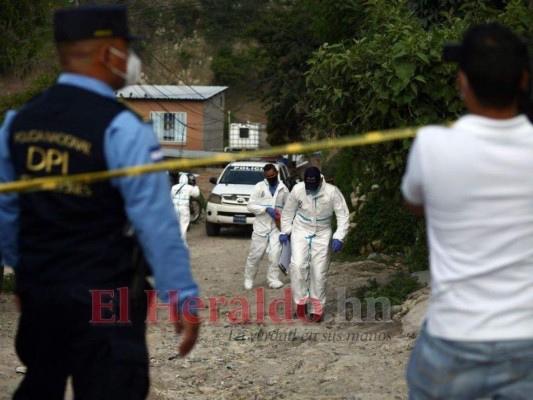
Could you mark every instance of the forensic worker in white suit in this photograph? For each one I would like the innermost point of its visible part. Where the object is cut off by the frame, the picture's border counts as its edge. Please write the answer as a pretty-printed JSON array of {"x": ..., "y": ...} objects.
[
  {"x": 181, "y": 194},
  {"x": 307, "y": 217},
  {"x": 266, "y": 202}
]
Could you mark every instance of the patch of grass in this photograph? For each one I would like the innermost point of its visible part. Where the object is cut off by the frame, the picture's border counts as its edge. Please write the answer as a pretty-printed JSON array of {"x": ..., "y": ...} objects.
[{"x": 395, "y": 290}]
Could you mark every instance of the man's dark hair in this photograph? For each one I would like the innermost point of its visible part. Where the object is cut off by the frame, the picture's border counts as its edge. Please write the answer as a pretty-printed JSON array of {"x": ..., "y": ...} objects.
[
  {"x": 269, "y": 167},
  {"x": 493, "y": 59}
]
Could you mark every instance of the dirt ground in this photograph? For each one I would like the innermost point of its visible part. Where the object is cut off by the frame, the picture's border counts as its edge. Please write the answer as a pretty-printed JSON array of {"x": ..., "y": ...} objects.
[{"x": 339, "y": 359}]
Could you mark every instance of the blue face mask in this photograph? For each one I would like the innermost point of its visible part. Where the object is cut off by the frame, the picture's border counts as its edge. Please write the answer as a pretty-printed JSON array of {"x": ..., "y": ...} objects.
[{"x": 313, "y": 192}]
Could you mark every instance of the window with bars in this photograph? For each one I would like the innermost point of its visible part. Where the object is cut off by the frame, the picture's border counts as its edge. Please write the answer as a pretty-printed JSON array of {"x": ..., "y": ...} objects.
[{"x": 170, "y": 126}]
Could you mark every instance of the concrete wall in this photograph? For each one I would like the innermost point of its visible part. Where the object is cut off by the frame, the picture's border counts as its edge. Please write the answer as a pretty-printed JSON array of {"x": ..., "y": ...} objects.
[{"x": 213, "y": 129}]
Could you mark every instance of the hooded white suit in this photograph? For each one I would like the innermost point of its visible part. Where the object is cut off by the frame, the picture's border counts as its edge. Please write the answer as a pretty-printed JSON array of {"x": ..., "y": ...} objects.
[
  {"x": 265, "y": 236},
  {"x": 181, "y": 194},
  {"x": 307, "y": 218}
]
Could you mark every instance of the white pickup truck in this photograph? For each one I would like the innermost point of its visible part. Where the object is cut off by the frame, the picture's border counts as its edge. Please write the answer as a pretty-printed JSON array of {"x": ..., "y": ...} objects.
[{"x": 226, "y": 205}]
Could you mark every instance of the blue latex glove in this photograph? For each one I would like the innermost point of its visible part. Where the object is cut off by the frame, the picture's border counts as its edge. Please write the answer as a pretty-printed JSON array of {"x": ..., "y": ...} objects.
[
  {"x": 283, "y": 238},
  {"x": 336, "y": 245},
  {"x": 271, "y": 212}
]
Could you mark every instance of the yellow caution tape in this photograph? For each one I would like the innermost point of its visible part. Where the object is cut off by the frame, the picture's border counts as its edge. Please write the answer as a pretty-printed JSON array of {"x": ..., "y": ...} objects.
[{"x": 55, "y": 182}]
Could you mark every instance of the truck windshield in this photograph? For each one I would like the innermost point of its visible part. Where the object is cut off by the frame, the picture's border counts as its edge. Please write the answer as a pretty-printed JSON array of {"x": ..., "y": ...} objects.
[{"x": 242, "y": 175}]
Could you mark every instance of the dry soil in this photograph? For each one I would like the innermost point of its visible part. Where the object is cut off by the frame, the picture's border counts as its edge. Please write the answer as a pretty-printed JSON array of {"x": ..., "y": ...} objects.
[{"x": 262, "y": 358}]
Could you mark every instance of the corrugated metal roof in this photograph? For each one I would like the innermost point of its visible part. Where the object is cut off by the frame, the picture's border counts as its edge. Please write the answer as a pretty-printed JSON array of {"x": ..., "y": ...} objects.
[
  {"x": 179, "y": 153},
  {"x": 170, "y": 92}
]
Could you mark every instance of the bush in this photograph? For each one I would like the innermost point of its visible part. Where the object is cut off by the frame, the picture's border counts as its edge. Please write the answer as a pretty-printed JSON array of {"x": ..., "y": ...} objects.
[
  {"x": 391, "y": 75},
  {"x": 401, "y": 285}
]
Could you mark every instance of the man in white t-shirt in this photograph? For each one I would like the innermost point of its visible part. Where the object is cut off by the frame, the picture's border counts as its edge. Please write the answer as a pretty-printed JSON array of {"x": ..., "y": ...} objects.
[{"x": 474, "y": 183}]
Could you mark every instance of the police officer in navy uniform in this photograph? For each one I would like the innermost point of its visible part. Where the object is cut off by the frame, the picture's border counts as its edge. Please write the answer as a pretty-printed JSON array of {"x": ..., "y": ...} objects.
[{"x": 69, "y": 247}]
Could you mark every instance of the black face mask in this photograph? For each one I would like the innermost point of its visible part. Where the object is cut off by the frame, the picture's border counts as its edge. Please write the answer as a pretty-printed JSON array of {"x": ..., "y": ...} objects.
[{"x": 273, "y": 181}]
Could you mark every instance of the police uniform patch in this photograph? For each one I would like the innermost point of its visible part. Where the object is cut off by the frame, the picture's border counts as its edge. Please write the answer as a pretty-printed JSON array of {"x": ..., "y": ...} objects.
[{"x": 156, "y": 154}]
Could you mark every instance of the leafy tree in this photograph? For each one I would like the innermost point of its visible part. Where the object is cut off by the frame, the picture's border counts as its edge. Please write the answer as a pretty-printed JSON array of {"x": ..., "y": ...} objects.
[
  {"x": 24, "y": 31},
  {"x": 392, "y": 75},
  {"x": 230, "y": 68},
  {"x": 27, "y": 47},
  {"x": 432, "y": 12},
  {"x": 286, "y": 40},
  {"x": 337, "y": 21},
  {"x": 288, "y": 33}
]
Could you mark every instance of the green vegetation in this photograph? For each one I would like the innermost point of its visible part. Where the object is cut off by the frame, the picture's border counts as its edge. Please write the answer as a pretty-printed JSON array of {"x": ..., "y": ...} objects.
[
  {"x": 233, "y": 69},
  {"x": 25, "y": 29},
  {"x": 395, "y": 290},
  {"x": 391, "y": 74}
]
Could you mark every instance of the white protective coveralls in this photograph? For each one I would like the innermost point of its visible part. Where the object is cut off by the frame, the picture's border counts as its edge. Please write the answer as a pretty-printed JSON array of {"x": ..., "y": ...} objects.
[
  {"x": 181, "y": 194},
  {"x": 307, "y": 218},
  {"x": 265, "y": 236}
]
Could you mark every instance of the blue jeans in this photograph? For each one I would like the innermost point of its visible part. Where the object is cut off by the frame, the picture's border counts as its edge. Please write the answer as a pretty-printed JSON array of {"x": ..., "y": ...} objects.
[{"x": 457, "y": 370}]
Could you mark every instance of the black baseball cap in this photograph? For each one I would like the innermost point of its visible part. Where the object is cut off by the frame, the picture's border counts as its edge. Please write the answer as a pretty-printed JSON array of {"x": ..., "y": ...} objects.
[
  {"x": 312, "y": 178},
  {"x": 92, "y": 22}
]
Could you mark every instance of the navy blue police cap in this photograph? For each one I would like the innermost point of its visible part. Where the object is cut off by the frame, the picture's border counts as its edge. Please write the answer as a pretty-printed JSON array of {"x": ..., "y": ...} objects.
[
  {"x": 92, "y": 22},
  {"x": 312, "y": 178}
]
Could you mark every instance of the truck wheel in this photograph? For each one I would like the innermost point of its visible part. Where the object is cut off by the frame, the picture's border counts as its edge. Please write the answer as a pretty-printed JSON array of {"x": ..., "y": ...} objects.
[
  {"x": 196, "y": 209},
  {"x": 212, "y": 229}
]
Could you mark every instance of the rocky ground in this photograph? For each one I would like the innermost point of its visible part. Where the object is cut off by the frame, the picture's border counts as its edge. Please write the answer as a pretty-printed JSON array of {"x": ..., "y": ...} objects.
[{"x": 264, "y": 358}]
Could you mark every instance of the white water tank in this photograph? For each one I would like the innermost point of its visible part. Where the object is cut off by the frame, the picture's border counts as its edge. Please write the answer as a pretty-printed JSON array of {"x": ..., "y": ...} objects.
[{"x": 245, "y": 136}]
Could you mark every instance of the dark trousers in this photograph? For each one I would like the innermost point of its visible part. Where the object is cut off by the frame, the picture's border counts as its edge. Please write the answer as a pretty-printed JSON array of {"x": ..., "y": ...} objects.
[{"x": 56, "y": 340}]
